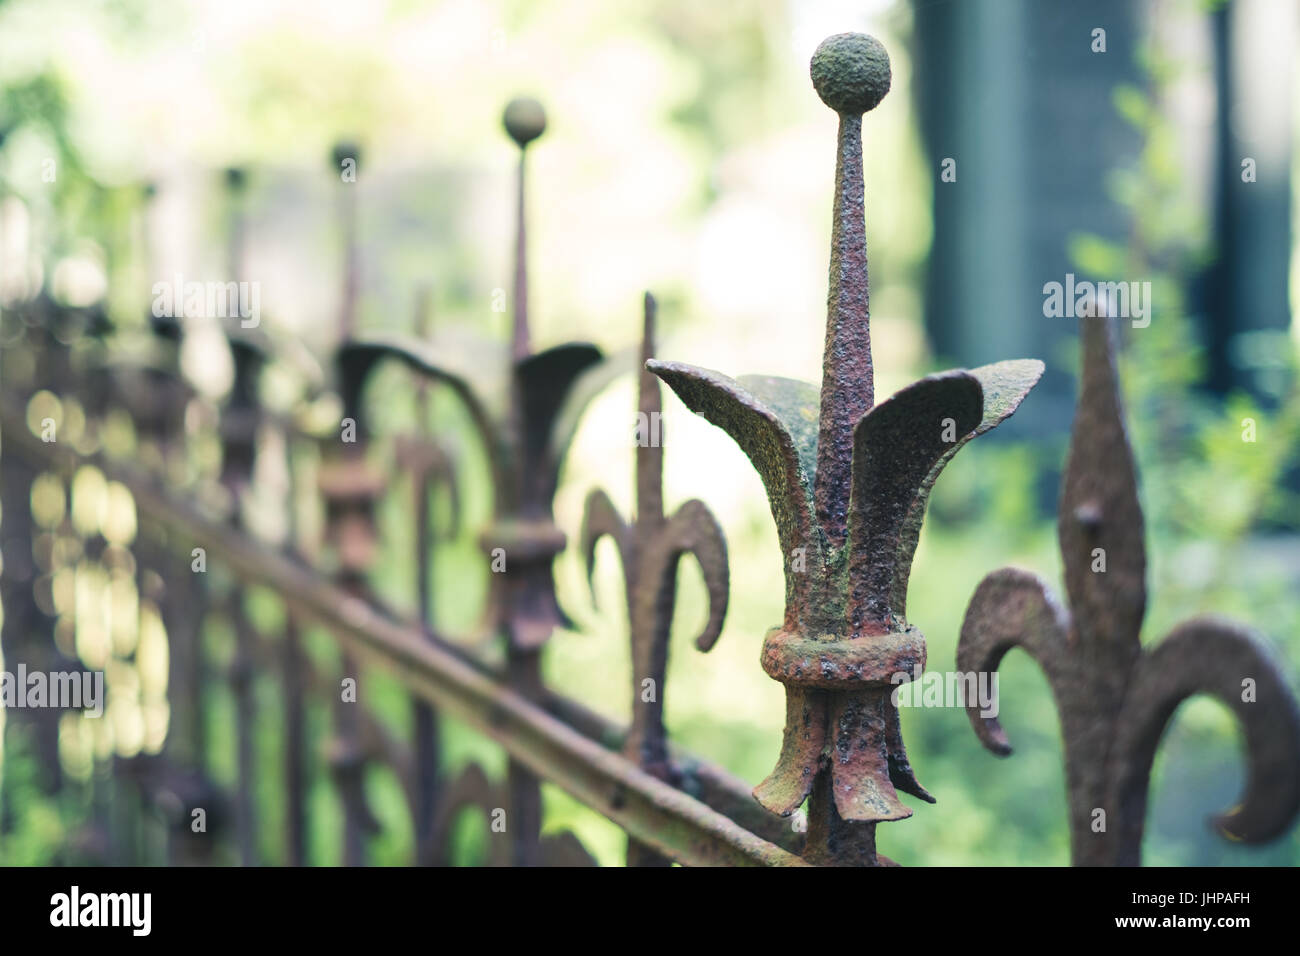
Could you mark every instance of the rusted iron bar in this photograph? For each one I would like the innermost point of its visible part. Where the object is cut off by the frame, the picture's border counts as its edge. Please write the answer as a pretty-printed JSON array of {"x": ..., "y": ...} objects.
[
  {"x": 239, "y": 421},
  {"x": 525, "y": 632},
  {"x": 293, "y": 665},
  {"x": 350, "y": 489},
  {"x": 295, "y": 746},
  {"x": 652, "y": 812},
  {"x": 524, "y": 120},
  {"x": 351, "y": 486},
  {"x": 431, "y": 467}
]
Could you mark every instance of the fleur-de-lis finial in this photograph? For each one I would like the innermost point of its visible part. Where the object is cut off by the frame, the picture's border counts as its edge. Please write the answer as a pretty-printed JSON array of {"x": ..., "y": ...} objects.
[
  {"x": 526, "y": 425},
  {"x": 1116, "y": 697},
  {"x": 650, "y": 549},
  {"x": 847, "y": 481}
]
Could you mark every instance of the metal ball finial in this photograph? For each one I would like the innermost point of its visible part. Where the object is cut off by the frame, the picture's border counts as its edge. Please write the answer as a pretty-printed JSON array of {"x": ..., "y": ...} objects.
[
  {"x": 524, "y": 120},
  {"x": 850, "y": 72}
]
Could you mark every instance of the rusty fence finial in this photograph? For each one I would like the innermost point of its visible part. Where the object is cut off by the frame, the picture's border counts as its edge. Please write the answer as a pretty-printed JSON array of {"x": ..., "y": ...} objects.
[
  {"x": 650, "y": 548},
  {"x": 1116, "y": 697},
  {"x": 847, "y": 482},
  {"x": 526, "y": 427}
]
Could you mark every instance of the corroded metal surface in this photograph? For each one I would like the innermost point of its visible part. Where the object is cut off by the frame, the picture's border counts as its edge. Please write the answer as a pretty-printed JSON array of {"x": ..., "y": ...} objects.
[
  {"x": 848, "y": 495},
  {"x": 1116, "y": 697}
]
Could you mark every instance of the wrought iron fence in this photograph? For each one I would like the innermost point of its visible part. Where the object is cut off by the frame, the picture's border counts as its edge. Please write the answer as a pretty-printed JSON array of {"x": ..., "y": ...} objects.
[{"x": 847, "y": 479}]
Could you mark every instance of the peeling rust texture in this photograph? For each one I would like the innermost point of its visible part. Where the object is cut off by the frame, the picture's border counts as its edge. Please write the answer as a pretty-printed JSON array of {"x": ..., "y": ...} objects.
[
  {"x": 1115, "y": 697},
  {"x": 847, "y": 481},
  {"x": 847, "y": 384}
]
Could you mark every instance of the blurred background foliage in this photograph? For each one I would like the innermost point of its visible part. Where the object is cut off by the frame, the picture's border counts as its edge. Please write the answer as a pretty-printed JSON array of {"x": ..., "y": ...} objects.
[{"x": 687, "y": 154}]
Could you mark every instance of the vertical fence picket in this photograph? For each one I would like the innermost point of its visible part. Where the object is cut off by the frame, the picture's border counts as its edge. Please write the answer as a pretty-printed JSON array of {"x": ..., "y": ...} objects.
[
  {"x": 239, "y": 420},
  {"x": 429, "y": 466},
  {"x": 351, "y": 488},
  {"x": 293, "y": 670}
]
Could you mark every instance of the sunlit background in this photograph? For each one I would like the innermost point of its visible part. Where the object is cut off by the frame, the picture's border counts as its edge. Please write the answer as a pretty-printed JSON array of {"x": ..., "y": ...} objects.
[{"x": 686, "y": 153}]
